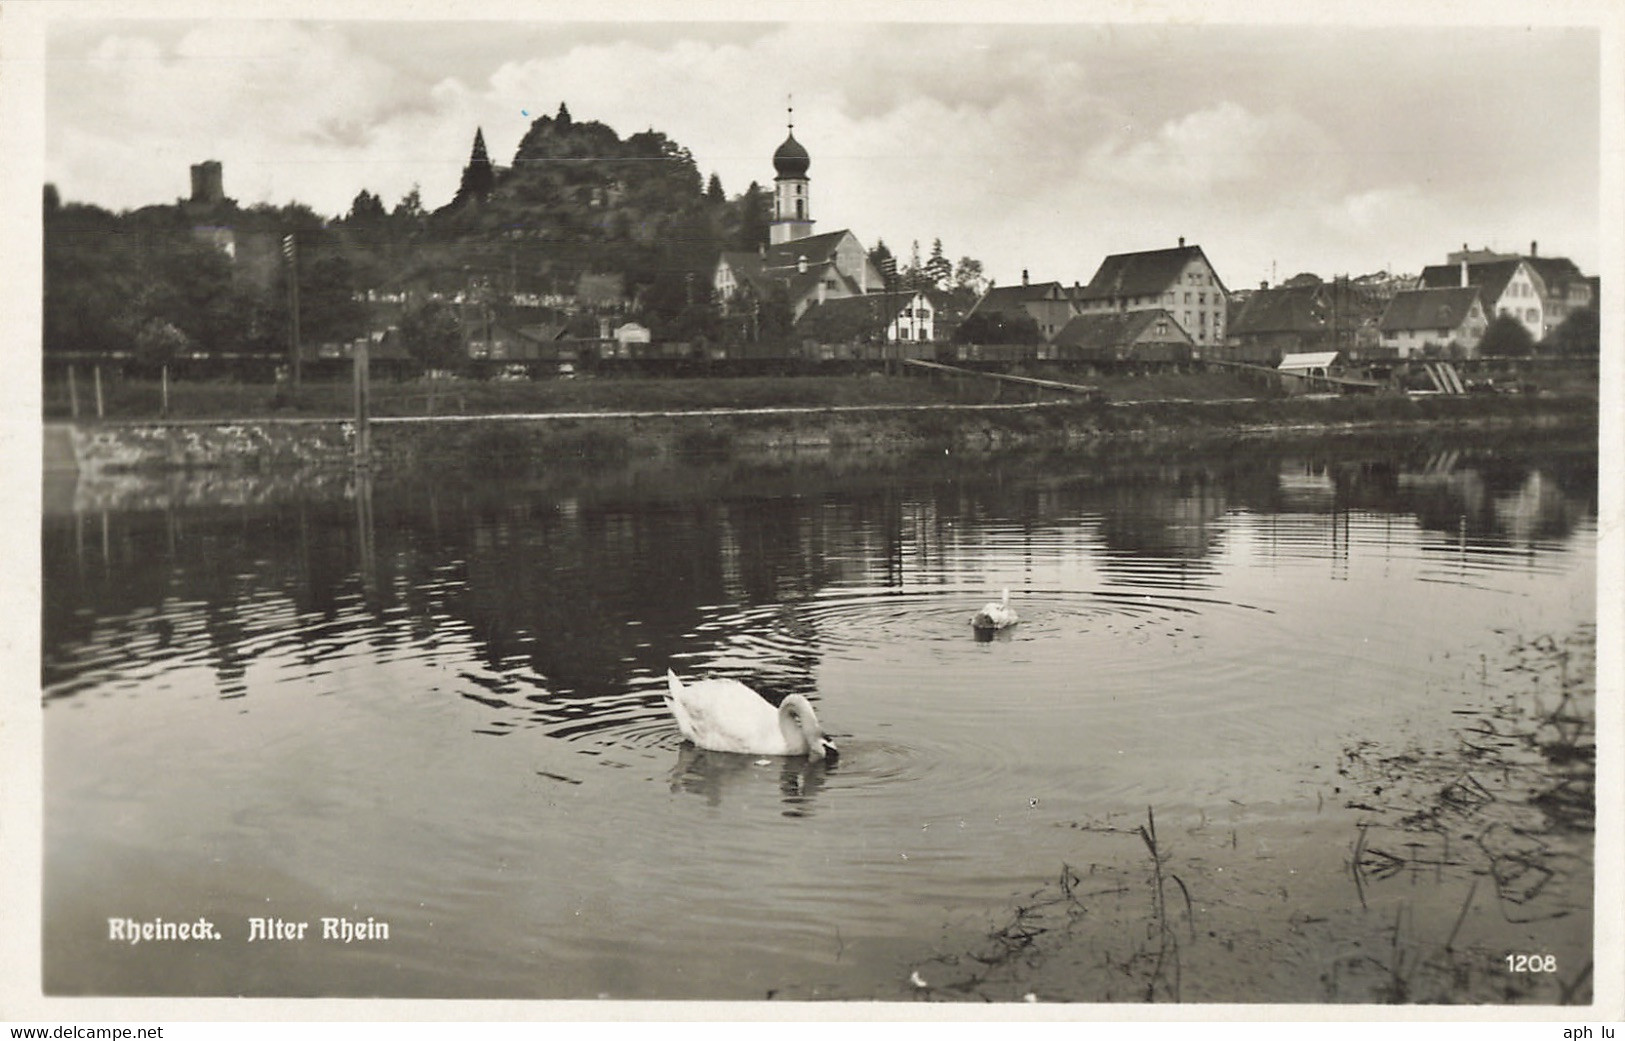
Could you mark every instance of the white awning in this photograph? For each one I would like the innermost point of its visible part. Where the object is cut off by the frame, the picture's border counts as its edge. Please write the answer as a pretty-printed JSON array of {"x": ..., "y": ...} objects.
[{"x": 1299, "y": 362}]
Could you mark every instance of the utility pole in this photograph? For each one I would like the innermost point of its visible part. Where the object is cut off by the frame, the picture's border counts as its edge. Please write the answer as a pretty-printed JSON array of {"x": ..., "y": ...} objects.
[{"x": 290, "y": 250}]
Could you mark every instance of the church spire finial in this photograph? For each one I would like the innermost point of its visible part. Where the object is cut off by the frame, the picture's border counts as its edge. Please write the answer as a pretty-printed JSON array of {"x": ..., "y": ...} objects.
[{"x": 790, "y": 111}]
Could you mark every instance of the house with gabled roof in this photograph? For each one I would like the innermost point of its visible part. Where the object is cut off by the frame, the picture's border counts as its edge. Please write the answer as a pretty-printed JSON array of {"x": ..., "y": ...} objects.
[
  {"x": 1448, "y": 320},
  {"x": 1567, "y": 290},
  {"x": 811, "y": 268},
  {"x": 1180, "y": 281},
  {"x": 1048, "y": 304},
  {"x": 1149, "y": 335},
  {"x": 1303, "y": 315},
  {"x": 818, "y": 267},
  {"x": 1509, "y": 287},
  {"x": 856, "y": 326}
]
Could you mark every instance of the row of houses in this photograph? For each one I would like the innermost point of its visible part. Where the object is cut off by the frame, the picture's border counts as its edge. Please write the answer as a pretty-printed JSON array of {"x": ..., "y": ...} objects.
[
  {"x": 1160, "y": 304},
  {"x": 1171, "y": 305}
]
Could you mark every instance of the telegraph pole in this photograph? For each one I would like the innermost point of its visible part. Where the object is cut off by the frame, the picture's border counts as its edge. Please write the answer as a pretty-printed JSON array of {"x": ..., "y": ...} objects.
[{"x": 290, "y": 250}]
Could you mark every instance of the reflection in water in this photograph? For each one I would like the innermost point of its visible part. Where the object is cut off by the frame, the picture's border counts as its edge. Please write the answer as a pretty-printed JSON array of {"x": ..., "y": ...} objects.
[
  {"x": 714, "y": 775},
  {"x": 303, "y": 690},
  {"x": 567, "y": 603}
]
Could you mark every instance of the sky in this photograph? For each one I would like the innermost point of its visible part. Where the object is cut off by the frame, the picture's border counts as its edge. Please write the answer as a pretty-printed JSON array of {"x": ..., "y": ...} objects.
[{"x": 1040, "y": 145}]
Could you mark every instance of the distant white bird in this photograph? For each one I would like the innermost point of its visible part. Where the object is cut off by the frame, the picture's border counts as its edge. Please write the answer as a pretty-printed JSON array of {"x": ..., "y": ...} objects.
[
  {"x": 723, "y": 715},
  {"x": 998, "y": 615}
]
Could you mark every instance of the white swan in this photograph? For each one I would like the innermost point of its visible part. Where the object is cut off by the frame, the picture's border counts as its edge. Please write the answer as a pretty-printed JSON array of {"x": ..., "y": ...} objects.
[
  {"x": 723, "y": 715},
  {"x": 999, "y": 615}
]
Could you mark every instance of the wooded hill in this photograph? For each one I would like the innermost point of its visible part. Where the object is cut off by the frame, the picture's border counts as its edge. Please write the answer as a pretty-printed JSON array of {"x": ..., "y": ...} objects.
[{"x": 581, "y": 220}]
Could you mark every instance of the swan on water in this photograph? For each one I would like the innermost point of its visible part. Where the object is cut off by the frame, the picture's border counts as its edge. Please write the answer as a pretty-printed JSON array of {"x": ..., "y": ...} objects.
[
  {"x": 998, "y": 615},
  {"x": 724, "y": 715}
]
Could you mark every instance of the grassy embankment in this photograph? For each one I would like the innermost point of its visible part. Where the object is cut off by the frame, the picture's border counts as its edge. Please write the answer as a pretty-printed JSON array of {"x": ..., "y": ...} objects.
[
  {"x": 142, "y": 399},
  {"x": 1192, "y": 406}
]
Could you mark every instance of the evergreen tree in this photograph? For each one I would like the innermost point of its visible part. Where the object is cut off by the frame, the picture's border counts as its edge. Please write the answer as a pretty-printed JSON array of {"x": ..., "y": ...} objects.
[
  {"x": 914, "y": 277},
  {"x": 478, "y": 176},
  {"x": 713, "y": 191},
  {"x": 756, "y": 218},
  {"x": 938, "y": 270}
]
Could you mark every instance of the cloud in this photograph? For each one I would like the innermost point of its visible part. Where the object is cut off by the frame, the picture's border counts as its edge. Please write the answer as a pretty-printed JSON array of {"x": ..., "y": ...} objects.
[
  {"x": 1026, "y": 145},
  {"x": 1222, "y": 146},
  {"x": 271, "y": 100}
]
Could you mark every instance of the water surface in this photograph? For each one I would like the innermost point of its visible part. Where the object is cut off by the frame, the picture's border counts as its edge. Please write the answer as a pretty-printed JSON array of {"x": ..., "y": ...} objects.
[{"x": 437, "y": 704}]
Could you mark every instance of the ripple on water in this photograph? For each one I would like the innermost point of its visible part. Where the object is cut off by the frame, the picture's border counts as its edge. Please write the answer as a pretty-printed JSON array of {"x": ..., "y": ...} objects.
[{"x": 866, "y": 646}]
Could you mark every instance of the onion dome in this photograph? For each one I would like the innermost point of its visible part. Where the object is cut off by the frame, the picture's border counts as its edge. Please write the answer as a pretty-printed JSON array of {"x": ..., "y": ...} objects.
[{"x": 791, "y": 160}]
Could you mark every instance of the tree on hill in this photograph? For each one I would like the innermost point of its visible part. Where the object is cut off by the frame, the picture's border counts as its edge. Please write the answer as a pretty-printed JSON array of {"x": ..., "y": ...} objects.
[
  {"x": 713, "y": 191},
  {"x": 366, "y": 210},
  {"x": 755, "y": 218},
  {"x": 89, "y": 285},
  {"x": 329, "y": 311},
  {"x": 410, "y": 209},
  {"x": 478, "y": 176},
  {"x": 431, "y": 335}
]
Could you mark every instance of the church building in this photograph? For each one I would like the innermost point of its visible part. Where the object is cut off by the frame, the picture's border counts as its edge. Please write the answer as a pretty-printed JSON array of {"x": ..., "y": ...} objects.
[{"x": 811, "y": 268}]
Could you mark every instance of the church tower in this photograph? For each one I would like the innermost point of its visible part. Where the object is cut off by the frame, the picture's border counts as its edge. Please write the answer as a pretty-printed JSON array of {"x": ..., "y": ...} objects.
[{"x": 792, "y": 208}]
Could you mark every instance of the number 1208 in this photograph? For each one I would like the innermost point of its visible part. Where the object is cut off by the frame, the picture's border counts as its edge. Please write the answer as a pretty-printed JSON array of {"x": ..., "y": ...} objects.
[{"x": 1531, "y": 963}]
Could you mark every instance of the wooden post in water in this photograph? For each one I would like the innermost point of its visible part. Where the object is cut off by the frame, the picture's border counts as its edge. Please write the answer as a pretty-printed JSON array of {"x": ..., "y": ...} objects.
[
  {"x": 100, "y": 412},
  {"x": 73, "y": 393},
  {"x": 363, "y": 394},
  {"x": 165, "y": 412}
]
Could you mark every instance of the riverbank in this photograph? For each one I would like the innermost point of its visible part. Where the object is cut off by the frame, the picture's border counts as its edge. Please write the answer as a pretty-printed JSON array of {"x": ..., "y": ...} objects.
[
  {"x": 527, "y": 442},
  {"x": 1445, "y": 871}
]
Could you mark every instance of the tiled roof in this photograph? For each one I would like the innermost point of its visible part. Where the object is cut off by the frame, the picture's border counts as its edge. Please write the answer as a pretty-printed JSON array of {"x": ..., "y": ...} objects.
[
  {"x": 1116, "y": 328},
  {"x": 1491, "y": 278},
  {"x": 1013, "y": 299},
  {"x": 851, "y": 317},
  {"x": 818, "y": 249},
  {"x": 747, "y": 270},
  {"x": 1142, "y": 274},
  {"x": 1301, "y": 308},
  {"x": 805, "y": 283},
  {"x": 1554, "y": 270},
  {"x": 1428, "y": 309}
]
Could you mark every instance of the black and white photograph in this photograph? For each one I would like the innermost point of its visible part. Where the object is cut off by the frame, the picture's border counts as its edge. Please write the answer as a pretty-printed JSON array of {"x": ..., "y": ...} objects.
[{"x": 813, "y": 510}]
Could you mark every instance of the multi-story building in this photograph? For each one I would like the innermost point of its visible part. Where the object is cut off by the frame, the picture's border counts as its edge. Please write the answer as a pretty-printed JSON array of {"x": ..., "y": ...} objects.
[
  {"x": 1180, "y": 281},
  {"x": 1450, "y": 320},
  {"x": 1511, "y": 287}
]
